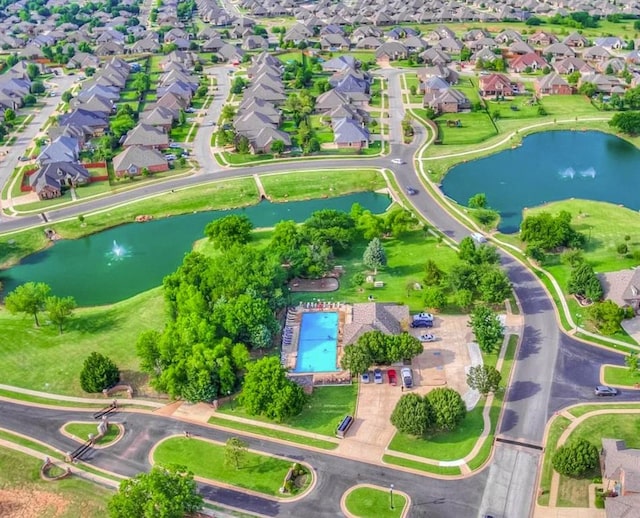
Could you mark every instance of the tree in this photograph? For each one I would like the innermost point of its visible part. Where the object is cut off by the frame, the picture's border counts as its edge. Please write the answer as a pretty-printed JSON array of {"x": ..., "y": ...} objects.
[
  {"x": 633, "y": 363},
  {"x": 584, "y": 282},
  {"x": 495, "y": 286},
  {"x": 606, "y": 316},
  {"x": 550, "y": 232},
  {"x": 627, "y": 122},
  {"x": 576, "y": 458},
  {"x": 9, "y": 115},
  {"x": 235, "y": 451},
  {"x": 588, "y": 89},
  {"x": 32, "y": 71},
  {"x": 268, "y": 391},
  {"x": 374, "y": 256},
  {"x": 67, "y": 96},
  {"x": 574, "y": 77},
  {"x": 60, "y": 309},
  {"x": 243, "y": 145},
  {"x": 434, "y": 298},
  {"x": 167, "y": 492},
  {"x": 277, "y": 147},
  {"x": 398, "y": 221},
  {"x": 487, "y": 328},
  {"x": 412, "y": 415},
  {"x": 356, "y": 359},
  {"x": 29, "y": 100},
  {"x": 478, "y": 201},
  {"x": 433, "y": 275},
  {"x": 37, "y": 87},
  {"x": 467, "y": 250},
  {"x": 28, "y": 298},
  {"x": 98, "y": 373},
  {"x": 484, "y": 379},
  {"x": 229, "y": 230},
  {"x": 448, "y": 408}
]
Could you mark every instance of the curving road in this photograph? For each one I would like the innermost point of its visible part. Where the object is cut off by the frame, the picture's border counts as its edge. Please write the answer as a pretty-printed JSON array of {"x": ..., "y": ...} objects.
[{"x": 552, "y": 371}]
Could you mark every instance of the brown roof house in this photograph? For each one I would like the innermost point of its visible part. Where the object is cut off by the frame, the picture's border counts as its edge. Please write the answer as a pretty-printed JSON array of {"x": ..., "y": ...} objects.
[
  {"x": 148, "y": 136},
  {"x": 622, "y": 287},
  {"x": 135, "y": 159},
  {"x": 552, "y": 84},
  {"x": 498, "y": 85},
  {"x": 621, "y": 475},
  {"x": 391, "y": 319}
]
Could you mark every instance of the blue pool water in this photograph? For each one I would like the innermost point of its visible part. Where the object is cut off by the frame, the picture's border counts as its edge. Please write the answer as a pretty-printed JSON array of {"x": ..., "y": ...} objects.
[{"x": 317, "y": 346}]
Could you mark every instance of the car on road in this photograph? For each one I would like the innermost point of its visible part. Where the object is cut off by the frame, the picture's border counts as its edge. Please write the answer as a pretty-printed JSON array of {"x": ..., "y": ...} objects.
[
  {"x": 411, "y": 191},
  {"x": 423, "y": 316},
  {"x": 393, "y": 379},
  {"x": 175, "y": 145},
  {"x": 377, "y": 376},
  {"x": 398, "y": 161},
  {"x": 603, "y": 390},
  {"x": 421, "y": 323},
  {"x": 407, "y": 377},
  {"x": 478, "y": 238},
  {"x": 427, "y": 337},
  {"x": 365, "y": 377}
]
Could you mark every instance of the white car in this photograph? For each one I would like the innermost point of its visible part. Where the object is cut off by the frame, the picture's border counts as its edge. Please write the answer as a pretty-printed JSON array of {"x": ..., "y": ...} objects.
[
  {"x": 427, "y": 337},
  {"x": 398, "y": 161},
  {"x": 423, "y": 316},
  {"x": 407, "y": 377}
]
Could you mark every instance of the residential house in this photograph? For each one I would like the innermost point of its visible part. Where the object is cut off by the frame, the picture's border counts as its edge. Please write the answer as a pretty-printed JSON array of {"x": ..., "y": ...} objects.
[
  {"x": 440, "y": 97},
  {"x": 610, "y": 42},
  {"x": 576, "y": 40},
  {"x": 95, "y": 103},
  {"x": 596, "y": 54},
  {"x": 261, "y": 142},
  {"x": 333, "y": 42},
  {"x": 390, "y": 319},
  {"x": 604, "y": 84},
  {"x": 329, "y": 100},
  {"x": 52, "y": 178},
  {"x": 552, "y": 84},
  {"x": 148, "y": 136},
  {"x": 520, "y": 48},
  {"x": 531, "y": 62},
  {"x": 93, "y": 123},
  {"x": 135, "y": 159},
  {"x": 254, "y": 42},
  {"x": 348, "y": 133},
  {"x": 559, "y": 51},
  {"x": 161, "y": 117},
  {"x": 391, "y": 51},
  {"x": 498, "y": 85},
  {"x": 369, "y": 43},
  {"x": 542, "y": 39},
  {"x": 434, "y": 56},
  {"x": 620, "y": 466},
  {"x": 340, "y": 63},
  {"x": 62, "y": 149},
  {"x": 571, "y": 65},
  {"x": 449, "y": 45},
  {"x": 622, "y": 287},
  {"x": 449, "y": 75}
]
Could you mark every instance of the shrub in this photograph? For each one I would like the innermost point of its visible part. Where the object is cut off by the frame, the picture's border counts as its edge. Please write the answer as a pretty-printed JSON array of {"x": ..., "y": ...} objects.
[
  {"x": 98, "y": 373},
  {"x": 622, "y": 248},
  {"x": 576, "y": 458},
  {"x": 447, "y": 407}
]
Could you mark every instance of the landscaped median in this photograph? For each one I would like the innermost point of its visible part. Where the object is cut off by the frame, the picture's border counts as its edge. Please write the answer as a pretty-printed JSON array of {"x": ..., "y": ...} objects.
[
  {"x": 80, "y": 431},
  {"x": 365, "y": 501},
  {"x": 260, "y": 473}
]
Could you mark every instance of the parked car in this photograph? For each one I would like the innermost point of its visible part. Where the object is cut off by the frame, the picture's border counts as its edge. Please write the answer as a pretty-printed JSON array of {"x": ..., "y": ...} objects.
[
  {"x": 478, "y": 238},
  {"x": 391, "y": 374},
  {"x": 398, "y": 161},
  {"x": 190, "y": 110},
  {"x": 422, "y": 323},
  {"x": 427, "y": 337},
  {"x": 603, "y": 390},
  {"x": 175, "y": 145},
  {"x": 170, "y": 157},
  {"x": 423, "y": 316},
  {"x": 377, "y": 376},
  {"x": 407, "y": 377},
  {"x": 365, "y": 377},
  {"x": 411, "y": 191},
  {"x": 23, "y": 158}
]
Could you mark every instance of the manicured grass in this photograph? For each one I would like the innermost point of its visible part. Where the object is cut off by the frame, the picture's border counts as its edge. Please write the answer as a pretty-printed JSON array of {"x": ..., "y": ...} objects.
[
  {"x": 443, "y": 446},
  {"x": 429, "y": 468},
  {"x": 505, "y": 109},
  {"x": 365, "y": 502},
  {"x": 585, "y": 409},
  {"x": 276, "y": 434},
  {"x": 476, "y": 127},
  {"x": 620, "y": 376},
  {"x": 558, "y": 426},
  {"x": 82, "y": 431},
  {"x": 43, "y": 359},
  {"x": 257, "y": 472},
  {"x": 46, "y": 401},
  {"x": 245, "y": 158},
  {"x": 320, "y": 183},
  {"x": 321, "y": 415},
  {"x": 570, "y": 106},
  {"x": 21, "y": 473},
  {"x": 573, "y": 492},
  {"x": 483, "y": 454}
]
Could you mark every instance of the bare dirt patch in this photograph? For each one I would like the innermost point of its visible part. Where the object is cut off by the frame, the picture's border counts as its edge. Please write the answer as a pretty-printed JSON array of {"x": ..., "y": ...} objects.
[{"x": 23, "y": 503}]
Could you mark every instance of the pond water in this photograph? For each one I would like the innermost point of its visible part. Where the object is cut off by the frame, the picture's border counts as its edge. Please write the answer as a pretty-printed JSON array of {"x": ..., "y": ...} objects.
[
  {"x": 550, "y": 166},
  {"x": 123, "y": 261}
]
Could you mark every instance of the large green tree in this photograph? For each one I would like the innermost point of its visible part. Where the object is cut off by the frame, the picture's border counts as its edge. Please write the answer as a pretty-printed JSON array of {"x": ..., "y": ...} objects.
[
  {"x": 576, "y": 458},
  {"x": 447, "y": 407},
  {"x": 487, "y": 328},
  {"x": 584, "y": 282},
  {"x": 412, "y": 415},
  {"x": 60, "y": 309},
  {"x": 29, "y": 298},
  {"x": 606, "y": 316},
  {"x": 98, "y": 373},
  {"x": 484, "y": 378},
  {"x": 229, "y": 230},
  {"x": 374, "y": 256},
  {"x": 269, "y": 392},
  {"x": 550, "y": 232},
  {"x": 627, "y": 122},
  {"x": 169, "y": 492}
]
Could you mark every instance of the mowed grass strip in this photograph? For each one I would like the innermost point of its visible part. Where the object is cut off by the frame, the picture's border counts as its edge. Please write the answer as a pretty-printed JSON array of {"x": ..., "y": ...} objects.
[
  {"x": 620, "y": 376},
  {"x": 421, "y": 466},
  {"x": 82, "y": 431},
  {"x": 475, "y": 127},
  {"x": 365, "y": 502},
  {"x": 259, "y": 473},
  {"x": 43, "y": 359},
  {"x": 275, "y": 434},
  {"x": 326, "y": 407},
  {"x": 321, "y": 183}
]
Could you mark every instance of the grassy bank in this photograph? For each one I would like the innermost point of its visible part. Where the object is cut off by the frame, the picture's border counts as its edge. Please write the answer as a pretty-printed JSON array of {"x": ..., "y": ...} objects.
[
  {"x": 43, "y": 359},
  {"x": 365, "y": 502},
  {"x": 620, "y": 376},
  {"x": 259, "y": 473}
]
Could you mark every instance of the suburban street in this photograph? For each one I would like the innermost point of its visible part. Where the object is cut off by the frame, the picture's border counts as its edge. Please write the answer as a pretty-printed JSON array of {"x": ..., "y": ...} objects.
[{"x": 552, "y": 370}]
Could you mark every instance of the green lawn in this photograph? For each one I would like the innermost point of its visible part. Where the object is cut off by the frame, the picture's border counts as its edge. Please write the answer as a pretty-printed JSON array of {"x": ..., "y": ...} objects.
[
  {"x": 620, "y": 376},
  {"x": 321, "y": 415},
  {"x": 476, "y": 127},
  {"x": 320, "y": 183},
  {"x": 505, "y": 108},
  {"x": 259, "y": 473},
  {"x": 20, "y": 477},
  {"x": 567, "y": 106},
  {"x": 421, "y": 466},
  {"x": 367, "y": 502},
  {"x": 276, "y": 434},
  {"x": 82, "y": 431},
  {"x": 585, "y": 409},
  {"x": 42, "y": 359},
  {"x": 559, "y": 425}
]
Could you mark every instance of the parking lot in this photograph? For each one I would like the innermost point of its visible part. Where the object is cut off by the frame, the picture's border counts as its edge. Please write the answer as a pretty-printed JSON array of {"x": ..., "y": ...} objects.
[{"x": 442, "y": 363}]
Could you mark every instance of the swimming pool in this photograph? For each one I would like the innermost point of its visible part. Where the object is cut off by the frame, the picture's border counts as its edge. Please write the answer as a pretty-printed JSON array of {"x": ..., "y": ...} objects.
[{"x": 317, "y": 346}]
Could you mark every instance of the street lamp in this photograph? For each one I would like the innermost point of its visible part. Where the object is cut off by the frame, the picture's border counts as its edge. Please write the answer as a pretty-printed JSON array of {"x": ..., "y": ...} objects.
[{"x": 391, "y": 496}]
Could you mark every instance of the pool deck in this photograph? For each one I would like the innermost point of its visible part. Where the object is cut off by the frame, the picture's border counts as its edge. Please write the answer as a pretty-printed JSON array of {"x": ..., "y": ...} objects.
[{"x": 291, "y": 336}]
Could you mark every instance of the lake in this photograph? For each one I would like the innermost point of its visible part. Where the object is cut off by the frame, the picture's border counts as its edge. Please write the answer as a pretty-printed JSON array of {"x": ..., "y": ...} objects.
[
  {"x": 550, "y": 166},
  {"x": 118, "y": 263}
]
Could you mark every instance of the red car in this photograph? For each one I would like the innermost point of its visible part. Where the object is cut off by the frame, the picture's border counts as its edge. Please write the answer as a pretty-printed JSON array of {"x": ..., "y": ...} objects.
[{"x": 393, "y": 380}]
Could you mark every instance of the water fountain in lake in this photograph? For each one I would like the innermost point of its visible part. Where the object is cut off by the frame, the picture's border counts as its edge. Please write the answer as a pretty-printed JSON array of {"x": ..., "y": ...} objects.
[{"x": 117, "y": 253}]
